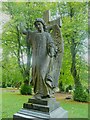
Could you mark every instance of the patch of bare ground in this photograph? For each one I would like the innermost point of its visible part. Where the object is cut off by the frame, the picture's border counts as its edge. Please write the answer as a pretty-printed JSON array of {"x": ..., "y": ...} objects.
[{"x": 62, "y": 96}]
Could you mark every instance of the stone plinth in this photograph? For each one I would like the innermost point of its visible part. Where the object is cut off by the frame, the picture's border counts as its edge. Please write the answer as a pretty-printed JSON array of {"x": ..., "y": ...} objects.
[{"x": 41, "y": 109}]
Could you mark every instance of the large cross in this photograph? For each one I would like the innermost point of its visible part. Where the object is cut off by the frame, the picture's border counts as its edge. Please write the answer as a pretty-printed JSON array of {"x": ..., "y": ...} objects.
[
  {"x": 53, "y": 26},
  {"x": 49, "y": 21}
]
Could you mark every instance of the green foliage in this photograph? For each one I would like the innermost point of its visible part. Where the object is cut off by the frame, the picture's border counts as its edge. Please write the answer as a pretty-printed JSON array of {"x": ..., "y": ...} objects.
[
  {"x": 61, "y": 87},
  {"x": 80, "y": 94},
  {"x": 11, "y": 76},
  {"x": 4, "y": 85},
  {"x": 74, "y": 26},
  {"x": 68, "y": 88},
  {"x": 25, "y": 13},
  {"x": 26, "y": 89}
]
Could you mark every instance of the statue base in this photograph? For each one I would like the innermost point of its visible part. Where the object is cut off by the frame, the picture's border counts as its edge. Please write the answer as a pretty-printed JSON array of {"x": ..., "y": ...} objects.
[{"x": 41, "y": 109}]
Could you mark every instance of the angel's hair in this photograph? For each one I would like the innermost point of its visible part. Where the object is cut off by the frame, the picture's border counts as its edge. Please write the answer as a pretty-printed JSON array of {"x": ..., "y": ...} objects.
[{"x": 42, "y": 21}]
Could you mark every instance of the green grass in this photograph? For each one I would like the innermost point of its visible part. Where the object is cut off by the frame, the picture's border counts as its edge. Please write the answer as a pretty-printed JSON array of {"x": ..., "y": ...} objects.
[
  {"x": 13, "y": 101},
  {"x": 75, "y": 109}
]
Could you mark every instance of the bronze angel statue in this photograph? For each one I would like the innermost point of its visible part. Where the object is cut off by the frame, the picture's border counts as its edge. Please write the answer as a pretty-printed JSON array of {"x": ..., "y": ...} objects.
[{"x": 47, "y": 51}]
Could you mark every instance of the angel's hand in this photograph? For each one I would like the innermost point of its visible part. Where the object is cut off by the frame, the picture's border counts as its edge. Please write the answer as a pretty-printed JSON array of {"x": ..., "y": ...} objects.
[
  {"x": 52, "y": 51},
  {"x": 55, "y": 54}
]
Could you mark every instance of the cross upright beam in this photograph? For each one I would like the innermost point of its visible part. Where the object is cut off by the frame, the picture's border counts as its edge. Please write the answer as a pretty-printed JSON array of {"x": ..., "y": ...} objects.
[{"x": 47, "y": 18}]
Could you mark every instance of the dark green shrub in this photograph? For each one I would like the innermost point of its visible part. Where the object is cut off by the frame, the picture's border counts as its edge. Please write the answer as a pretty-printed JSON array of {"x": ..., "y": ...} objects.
[
  {"x": 26, "y": 89},
  {"x": 61, "y": 87},
  {"x": 9, "y": 84},
  {"x": 68, "y": 88},
  {"x": 80, "y": 94},
  {"x": 4, "y": 85}
]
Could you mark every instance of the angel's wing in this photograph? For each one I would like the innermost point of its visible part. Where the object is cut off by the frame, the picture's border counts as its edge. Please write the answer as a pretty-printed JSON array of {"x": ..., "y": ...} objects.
[{"x": 56, "y": 62}]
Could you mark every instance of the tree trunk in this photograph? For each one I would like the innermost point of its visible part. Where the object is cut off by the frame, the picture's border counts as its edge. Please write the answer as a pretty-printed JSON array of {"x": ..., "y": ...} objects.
[
  {"x": 25, "y": 69},
  {"x": 73, "y": 54},
  {"x": 73, "y": 65}
]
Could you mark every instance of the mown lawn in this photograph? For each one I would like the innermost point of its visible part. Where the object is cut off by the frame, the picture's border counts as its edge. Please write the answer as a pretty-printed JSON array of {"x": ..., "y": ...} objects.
[
  {"x": 75, "y": 109},
  {"x": 13, "y": 101}
]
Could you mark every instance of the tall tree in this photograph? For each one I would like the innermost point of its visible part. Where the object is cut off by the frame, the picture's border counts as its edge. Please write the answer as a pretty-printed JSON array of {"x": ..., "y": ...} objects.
[
  {"x": 74, "y": 16},
  {"x": 22, "y": 14}
]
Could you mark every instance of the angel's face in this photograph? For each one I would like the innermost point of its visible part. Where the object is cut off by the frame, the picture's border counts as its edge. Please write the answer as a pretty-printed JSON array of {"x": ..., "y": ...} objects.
[{"x": 39, "y": 27}]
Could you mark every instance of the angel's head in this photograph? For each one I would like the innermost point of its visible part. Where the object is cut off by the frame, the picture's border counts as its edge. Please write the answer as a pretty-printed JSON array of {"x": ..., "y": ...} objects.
[{"x": 40, "y": 24}]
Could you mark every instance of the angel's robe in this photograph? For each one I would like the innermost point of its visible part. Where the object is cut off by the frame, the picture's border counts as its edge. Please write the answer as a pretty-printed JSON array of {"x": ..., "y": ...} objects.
[{"x": 43, "y": 49}]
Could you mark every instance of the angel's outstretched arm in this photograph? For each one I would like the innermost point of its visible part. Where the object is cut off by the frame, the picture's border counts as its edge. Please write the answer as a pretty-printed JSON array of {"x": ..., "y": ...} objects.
[{"x": 29, "y": 35}]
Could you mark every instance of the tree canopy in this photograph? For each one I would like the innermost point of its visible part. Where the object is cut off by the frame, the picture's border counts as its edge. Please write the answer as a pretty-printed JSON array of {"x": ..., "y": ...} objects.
[{"x": 17, "y": 52}]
